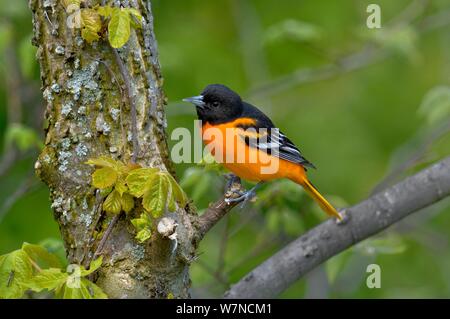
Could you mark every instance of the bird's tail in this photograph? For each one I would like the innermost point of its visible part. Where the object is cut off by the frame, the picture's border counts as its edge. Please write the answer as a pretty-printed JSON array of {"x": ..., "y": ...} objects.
[{"x": 319, "y": 199}]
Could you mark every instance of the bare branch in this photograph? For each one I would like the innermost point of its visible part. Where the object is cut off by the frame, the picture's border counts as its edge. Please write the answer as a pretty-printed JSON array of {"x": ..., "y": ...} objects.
[
  {"x": 220, "y": 208},
  {"x": 330, "y": 238},
  {"x": 213, "y": 214}
]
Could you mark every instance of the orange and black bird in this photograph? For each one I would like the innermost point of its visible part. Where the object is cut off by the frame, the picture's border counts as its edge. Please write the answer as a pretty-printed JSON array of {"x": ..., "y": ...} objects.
[{"x": 258, "y": 143}]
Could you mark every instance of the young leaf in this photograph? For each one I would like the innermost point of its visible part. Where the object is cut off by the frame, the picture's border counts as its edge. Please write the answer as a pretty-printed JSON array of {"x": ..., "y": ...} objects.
[
  {"x": 50, "y": 279},
  {"x": 143, "y": 227},
  {"x": 121, "y": 185},
  {"x": 119, "y": 27},
  {"x": 15, "y": 272},
  {"x": 136, "y": 18},
  {"x": 56, "y": 248},
  {"x": 436, "y": 105},
  {"x": 41, "y": 256},
  {"x": 22, "y": 136},
  {"x": 95, "y": 292},
  {"x": 143, "y": 235},
  {"x": 112, "y": 203},
  {"x": 105, "y": 161},
  {"x": 105, "y": 11},
  {"x": 91, "y": 25},
  {"x": 93, "y": 266},
  {"x": 177, "y": 191},
  {"x": 137, "y": 180},
  {"x": 75, "y": 3},
  {"x": 155, "y": 198},
  {"x": 86, "y": 290},
  {"x": 127, "y": 202},
  {"x": 104, "y": 177}
]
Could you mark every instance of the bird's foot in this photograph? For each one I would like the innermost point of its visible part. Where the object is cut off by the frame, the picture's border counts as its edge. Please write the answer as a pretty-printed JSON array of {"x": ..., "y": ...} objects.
[{"x": 243, "y": 197}]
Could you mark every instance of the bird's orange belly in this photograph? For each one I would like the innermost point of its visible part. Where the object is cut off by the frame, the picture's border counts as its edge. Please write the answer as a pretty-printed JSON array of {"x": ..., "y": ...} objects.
[{"x": 248, "y": 163}]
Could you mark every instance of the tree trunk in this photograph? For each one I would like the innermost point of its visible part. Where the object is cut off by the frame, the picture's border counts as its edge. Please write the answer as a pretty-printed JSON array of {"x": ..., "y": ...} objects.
[{"x": 87, "y": 115}]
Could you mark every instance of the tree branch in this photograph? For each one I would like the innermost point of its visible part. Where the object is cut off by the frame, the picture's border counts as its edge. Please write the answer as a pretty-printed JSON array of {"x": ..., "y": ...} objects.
[
  {"x": 329, "y": 238},
  {"x": 213, "y": 214},
  {"x": 220, "y": 208}
]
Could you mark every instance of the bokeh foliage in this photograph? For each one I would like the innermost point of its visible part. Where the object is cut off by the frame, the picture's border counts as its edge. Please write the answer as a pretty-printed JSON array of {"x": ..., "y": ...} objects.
[{"x": 388, "y": 116}]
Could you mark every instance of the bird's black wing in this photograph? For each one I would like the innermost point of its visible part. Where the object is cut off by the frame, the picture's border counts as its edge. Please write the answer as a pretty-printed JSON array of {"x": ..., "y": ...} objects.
[{"x": 264, "y": 136}]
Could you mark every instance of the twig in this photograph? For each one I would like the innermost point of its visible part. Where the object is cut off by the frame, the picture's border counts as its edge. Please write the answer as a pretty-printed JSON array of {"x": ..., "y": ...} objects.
[
  {"x": 108, "y": 231},
  {"x": 213, "y": 214},
  {"x": 132, "y": 101},
  {"x": 330, "y": 238},
  {"x": 98, "y": 214}
]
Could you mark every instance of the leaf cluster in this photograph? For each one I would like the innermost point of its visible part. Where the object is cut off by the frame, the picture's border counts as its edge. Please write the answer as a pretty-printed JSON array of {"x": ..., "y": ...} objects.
[{"x": 34, "y": 268}]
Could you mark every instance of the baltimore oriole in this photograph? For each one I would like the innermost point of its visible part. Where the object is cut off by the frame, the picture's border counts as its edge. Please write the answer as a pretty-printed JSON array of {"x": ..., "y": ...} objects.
[{"x": 222, "y": 110}]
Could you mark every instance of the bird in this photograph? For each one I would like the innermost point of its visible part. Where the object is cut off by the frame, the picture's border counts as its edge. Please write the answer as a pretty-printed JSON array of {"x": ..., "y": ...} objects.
[{"x": 222, "y": 112}]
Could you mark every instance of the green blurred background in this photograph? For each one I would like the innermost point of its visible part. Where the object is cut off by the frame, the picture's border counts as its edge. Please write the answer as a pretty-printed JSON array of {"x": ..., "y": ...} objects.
[{"x": 366, "y": 106}]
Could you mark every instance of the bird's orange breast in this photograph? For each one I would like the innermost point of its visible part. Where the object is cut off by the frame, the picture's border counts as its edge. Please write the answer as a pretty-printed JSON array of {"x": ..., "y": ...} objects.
[{"x": 226, "y": 144}]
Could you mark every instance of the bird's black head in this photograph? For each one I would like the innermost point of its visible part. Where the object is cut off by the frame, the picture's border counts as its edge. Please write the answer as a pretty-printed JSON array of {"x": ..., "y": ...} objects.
[{"x": 217, "y": 104}]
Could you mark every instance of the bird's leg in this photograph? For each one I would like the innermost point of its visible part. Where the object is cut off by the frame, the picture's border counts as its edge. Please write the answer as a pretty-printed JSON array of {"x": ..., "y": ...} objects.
[
  {"x": 246, "y": 196},
  {"x": 231, "y": 179}
]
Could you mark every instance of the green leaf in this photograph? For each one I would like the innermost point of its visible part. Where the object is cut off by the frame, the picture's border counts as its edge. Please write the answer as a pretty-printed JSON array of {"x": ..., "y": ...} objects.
[
  {"x": 93, "y": 266},
  {"x": 112, "y": 203},
  {"x": 390, "y": 244},
  {"x": 127, "y": 202},
  {"x": 56, "y": 247},
  {"x": 137, "y": 180},
  {"x": 119, "y": 27},
  {"x": 50, "y": 279},
  {"x": 75, "y": 3},
  {"x": 400, "y": 39},
  {"x": 143, "y": 235},
  {"x": 41, "y": 256},
  {"x": 24, "y": 137},
  {"x": 435, "y": 106},
  {"x": 177, "y": 191},
  {"x": 293, "y": 30},
  {"x": 155, "y": 198},
  {"x": 171, "y": 206},
  {"x": 104, "y": 177},
  {"x": 143, "y": 227},
  {"x": 91, "y": 25},
  {"x": 105, "y": 11},
  {"x": 105, "y": 161},
  {"x": 95, "y": 292},
  {"x": 121, "y": 185},
  {"x": 136, "y": 18},
  {"x": 86, "y": 290},
  {"x": 15, "y": 272}
]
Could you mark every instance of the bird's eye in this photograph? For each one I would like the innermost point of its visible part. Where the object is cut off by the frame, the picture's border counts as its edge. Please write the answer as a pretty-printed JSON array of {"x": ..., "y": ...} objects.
[{"x": 215, "y": 103}]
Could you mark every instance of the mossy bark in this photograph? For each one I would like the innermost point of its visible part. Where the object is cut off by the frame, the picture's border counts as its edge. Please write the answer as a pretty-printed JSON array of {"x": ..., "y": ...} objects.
[{"x": 87, "y": 115}]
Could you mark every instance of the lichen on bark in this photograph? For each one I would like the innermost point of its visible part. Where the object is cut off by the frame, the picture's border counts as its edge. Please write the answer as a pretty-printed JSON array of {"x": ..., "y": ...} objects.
[{"x": 87, "y": 115}]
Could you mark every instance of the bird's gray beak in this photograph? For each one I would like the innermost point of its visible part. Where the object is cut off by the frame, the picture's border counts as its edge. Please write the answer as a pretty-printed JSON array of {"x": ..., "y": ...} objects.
[{"x": 196, "y": 100}]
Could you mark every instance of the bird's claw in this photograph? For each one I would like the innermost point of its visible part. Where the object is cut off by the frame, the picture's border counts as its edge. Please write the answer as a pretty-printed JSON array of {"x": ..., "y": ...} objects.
[{"x": 245, "y": 197}]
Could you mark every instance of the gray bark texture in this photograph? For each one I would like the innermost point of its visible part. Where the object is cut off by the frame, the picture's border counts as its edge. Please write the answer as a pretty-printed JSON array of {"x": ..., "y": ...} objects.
[
  {"x": 361, "y": 221},
  {"x": 87, "y": 115}
]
